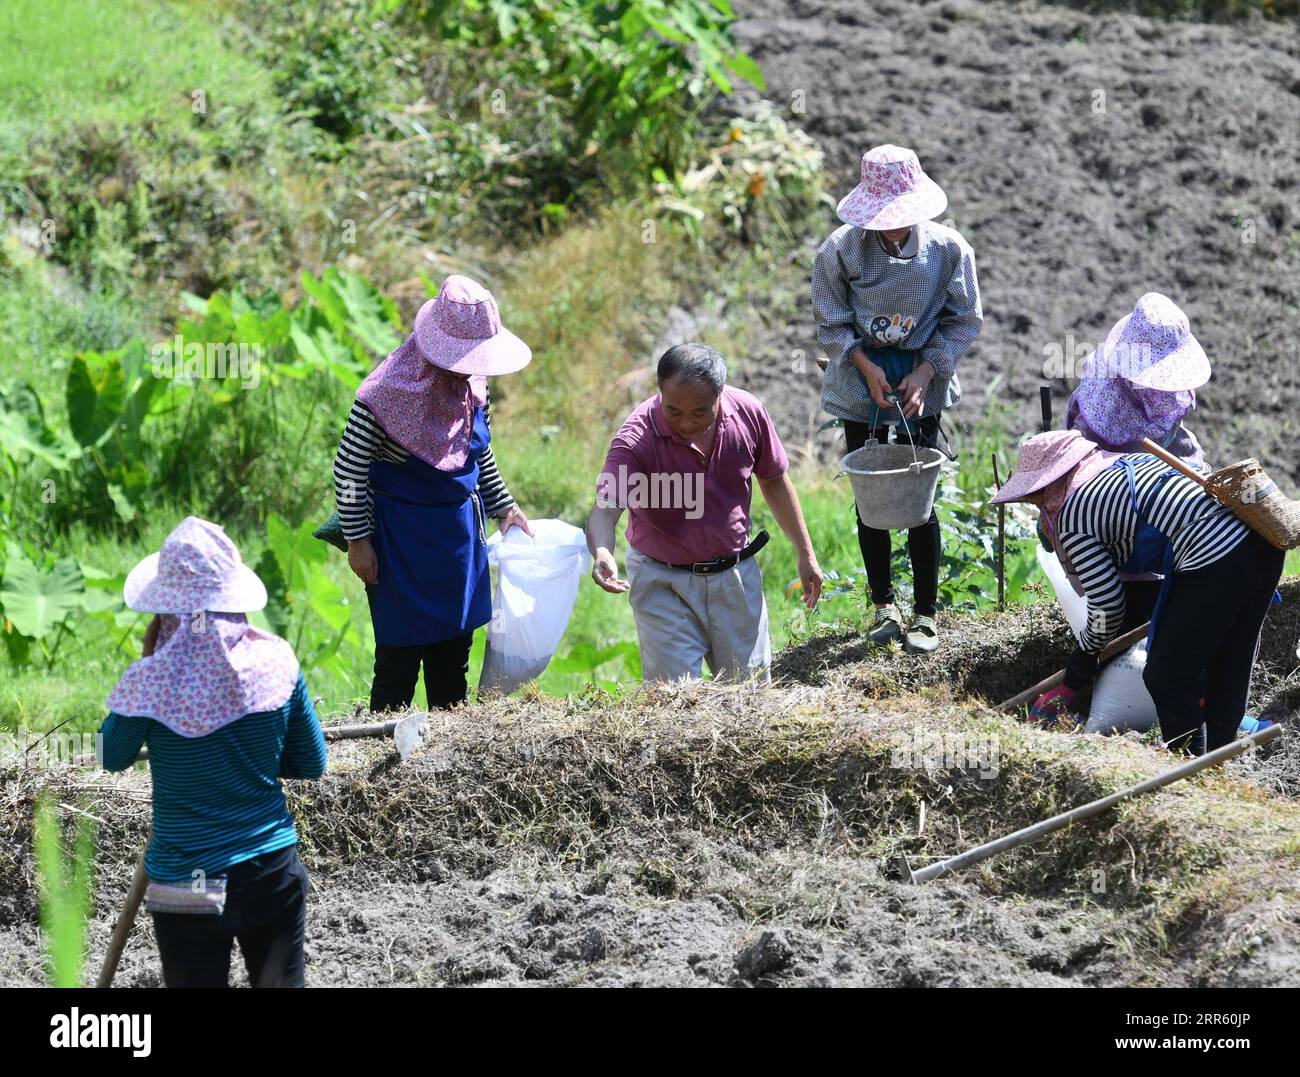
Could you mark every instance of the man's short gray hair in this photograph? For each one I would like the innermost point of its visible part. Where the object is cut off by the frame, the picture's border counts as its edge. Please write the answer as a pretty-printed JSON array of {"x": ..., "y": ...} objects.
[{"x": 693, "y": 362}]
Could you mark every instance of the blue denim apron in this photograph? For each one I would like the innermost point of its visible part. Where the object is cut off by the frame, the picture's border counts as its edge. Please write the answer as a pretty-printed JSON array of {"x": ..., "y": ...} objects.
[
  {"x": 1153, "y": 550},
  {"x": 431, "y": 543},
  {"x": 897, "y": 364}
]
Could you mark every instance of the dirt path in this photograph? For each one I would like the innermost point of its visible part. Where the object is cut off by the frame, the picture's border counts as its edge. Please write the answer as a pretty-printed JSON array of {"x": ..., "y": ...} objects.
[{"x": 1186, "y": 183}]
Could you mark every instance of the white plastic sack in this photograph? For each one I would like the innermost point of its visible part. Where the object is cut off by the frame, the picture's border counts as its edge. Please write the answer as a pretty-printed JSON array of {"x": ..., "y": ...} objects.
[
  {"x": 1074, "y": 606},
  {"x": 1120, "y": 700},
  {"x": 537, "y": 583}
]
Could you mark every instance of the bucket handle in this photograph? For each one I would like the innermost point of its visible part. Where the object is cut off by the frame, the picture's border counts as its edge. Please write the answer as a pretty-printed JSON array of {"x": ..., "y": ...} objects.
[{"x": 907, "y": 427}]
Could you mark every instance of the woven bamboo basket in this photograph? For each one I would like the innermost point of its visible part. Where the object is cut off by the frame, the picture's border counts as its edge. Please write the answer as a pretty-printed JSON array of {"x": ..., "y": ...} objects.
[{"x": 1252, "y": 496}]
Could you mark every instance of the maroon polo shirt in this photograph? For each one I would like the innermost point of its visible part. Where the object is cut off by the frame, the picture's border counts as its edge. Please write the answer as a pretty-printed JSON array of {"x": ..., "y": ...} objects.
[{"x": 680, "y": 506}]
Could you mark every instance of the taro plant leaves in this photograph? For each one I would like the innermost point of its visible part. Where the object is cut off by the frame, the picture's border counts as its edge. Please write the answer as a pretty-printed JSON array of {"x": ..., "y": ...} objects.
[
  {"x": 36, "y": 600},
  {"x": 304, "y": 605},
  {"x": 351, "y": 310},
  {"x": 24, "y": 432},
  {"x": 109, "y": 394}
]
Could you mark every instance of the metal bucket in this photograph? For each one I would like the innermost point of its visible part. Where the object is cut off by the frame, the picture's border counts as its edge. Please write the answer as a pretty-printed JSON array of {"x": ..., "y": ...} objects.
[{"x": 893, "y": 484}]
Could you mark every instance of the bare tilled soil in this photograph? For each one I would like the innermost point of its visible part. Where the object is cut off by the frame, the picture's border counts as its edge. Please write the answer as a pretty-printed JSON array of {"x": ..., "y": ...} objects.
[
  {"x": 732, "y": 836},
  {"x": 1088, "y": 159}
]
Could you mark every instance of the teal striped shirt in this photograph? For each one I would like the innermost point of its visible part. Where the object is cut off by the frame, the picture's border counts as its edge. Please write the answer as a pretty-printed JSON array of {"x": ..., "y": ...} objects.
[{"x": 217, "y": 799}]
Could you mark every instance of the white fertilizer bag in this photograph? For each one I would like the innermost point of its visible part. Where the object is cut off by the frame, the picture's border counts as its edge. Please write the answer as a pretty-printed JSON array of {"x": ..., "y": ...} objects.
[
  {"x": 1120, "y": 700},
  {"x": 537, "y": 583}
]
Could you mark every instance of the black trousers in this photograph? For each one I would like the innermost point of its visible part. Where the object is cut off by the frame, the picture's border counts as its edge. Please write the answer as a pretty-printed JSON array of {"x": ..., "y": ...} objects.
[
  {"x": 922, "y": 542},
  {"x": 1205, "y": 645},
  {"x": 266, "y": 912},
  {"x": 446, "y": 666}
]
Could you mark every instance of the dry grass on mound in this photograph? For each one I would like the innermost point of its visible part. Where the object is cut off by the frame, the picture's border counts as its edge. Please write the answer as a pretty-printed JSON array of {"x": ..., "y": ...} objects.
[{"x": 804, "y": 767}]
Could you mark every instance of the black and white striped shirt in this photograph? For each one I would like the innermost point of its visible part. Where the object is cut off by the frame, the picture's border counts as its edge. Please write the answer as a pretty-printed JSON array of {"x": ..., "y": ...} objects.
[
  {"x": 1097, "y": 528},
  {"x": 365, "y": 440}
]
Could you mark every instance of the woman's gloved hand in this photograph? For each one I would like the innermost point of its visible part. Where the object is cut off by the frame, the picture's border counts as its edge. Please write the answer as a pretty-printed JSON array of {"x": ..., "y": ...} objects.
[
  {"x": 1053, "y": 704},
  {"x": 1080, "y": 669}
]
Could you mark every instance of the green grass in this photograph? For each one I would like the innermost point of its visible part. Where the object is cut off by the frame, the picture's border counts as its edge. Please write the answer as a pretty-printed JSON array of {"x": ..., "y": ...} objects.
[{"x": 122, "y": 61}]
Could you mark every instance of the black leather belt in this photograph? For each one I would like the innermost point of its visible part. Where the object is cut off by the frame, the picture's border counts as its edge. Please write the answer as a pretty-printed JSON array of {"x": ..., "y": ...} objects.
[{"x": 723, "y": 564}]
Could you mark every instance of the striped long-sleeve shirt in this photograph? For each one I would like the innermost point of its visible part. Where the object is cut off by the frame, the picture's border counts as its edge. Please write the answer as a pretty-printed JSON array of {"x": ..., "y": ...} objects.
[
  {"x": 1097, "y": 529},
  {"x": 928, "y": 302},
  {"x": 365, "y": 440},
  {"x": 217, "y": 799}
]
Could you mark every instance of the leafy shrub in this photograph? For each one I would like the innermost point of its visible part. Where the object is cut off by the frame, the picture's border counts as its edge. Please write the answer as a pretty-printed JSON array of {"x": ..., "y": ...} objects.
[
  {"x": 329, "y": 61},
  {"x": 217, "y": 416},
  {"x": 131, "y": 208},
  {"x": 760, "y": 177},
  {"x": 542, "y": 104},
  {"x": 190, "y": 422}
]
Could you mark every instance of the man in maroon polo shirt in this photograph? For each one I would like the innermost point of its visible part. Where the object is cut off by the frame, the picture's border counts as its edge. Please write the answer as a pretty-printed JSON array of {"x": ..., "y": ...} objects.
[{"x": 682, "y": 466}]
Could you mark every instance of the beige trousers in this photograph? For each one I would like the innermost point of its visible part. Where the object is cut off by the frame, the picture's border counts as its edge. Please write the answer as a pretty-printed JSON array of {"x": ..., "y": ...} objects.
[{"x": 684, "y": 621}]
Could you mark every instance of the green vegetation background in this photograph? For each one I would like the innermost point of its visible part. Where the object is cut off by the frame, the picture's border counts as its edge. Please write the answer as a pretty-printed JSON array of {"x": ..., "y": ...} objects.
[{"x": 299, "y": 176}]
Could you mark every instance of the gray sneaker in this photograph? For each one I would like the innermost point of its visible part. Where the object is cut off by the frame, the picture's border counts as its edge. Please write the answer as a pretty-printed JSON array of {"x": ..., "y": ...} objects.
[
  {"x": 922, "y": 635},
  {"x": 887, "y": 627}
]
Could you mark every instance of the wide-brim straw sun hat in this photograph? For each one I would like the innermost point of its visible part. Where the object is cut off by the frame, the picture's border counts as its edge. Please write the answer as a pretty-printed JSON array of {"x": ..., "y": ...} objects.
[
  {"x": 894, "y": 192},
  {"x": 460, "y": 330},
  {"x": 198, "y": 568}
]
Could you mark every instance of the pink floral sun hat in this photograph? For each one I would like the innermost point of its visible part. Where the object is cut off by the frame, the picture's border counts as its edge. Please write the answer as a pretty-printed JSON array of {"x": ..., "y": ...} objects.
[
  {"x": 1152, "y": 347},
  {"x": 198, "y": 568},
  {"x": 1044, "y": 458},
  {"x": 894, "y": 192},
  {"x": 460, "y": 330},
  {"x": 207, "y": 672}
]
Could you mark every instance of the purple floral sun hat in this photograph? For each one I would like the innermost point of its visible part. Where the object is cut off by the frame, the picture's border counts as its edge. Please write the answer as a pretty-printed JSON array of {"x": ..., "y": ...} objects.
[
  {"x": 460, "y": 330},
  {"x": 198, "y": 568},
  {"x": 894, "y": 192},
  {"x": 1152, "y": 347}
]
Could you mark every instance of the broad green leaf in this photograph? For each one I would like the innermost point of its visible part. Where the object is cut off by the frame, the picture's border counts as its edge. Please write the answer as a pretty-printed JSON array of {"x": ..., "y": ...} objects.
[
  {"x": 36, "y": 601},
  {"x": 199, "y": 306},
  {"x": 96, "y": 394},
  {"x": 327, "y": 300},
  {"x": 368, "y": 314},
  {"x": 328, "y": 601},
  {"x": 22, "y": 436}
]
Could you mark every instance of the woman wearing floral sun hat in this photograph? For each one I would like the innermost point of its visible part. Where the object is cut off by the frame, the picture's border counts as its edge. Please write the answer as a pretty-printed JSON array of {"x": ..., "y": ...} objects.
[
  {"x": 1112, "y": 513},
  {"x": 897, "y": 305},
  {"x": 1140, "y": 383},
  {"x": 415, "y": 482},
  {"x": 225, "y": 713}
]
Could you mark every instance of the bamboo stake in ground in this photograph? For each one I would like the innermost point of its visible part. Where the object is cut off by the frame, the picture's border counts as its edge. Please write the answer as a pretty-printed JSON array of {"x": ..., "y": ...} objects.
[
  {"x": 1002, "y": 540},
  {"x": 1047, "y": 683},
  {"x": 1087, "y": 811}
]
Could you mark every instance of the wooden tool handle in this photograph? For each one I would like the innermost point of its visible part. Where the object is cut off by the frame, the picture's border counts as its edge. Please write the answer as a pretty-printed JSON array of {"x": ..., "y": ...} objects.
[
  {"x": 122, "y": 929},
  {"x": 1169, "y": 458},
  {"x": 1123, "y": 643}
]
